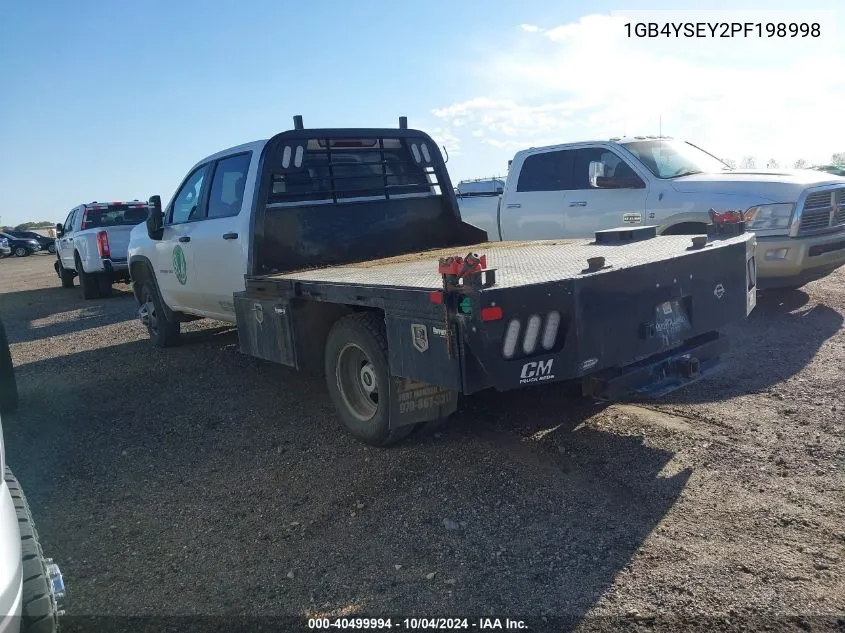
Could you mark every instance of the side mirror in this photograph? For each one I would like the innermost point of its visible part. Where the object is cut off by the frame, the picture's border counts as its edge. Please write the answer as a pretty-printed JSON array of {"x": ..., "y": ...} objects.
[
  {"x": 155, "y": 219},
  {"x": 596, "y": 172},
  {"x": 60, "y": 230}
]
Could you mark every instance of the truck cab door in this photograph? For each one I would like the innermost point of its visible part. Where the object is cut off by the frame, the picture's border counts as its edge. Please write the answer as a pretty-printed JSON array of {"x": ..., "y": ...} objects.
[
  {"x": 174, "y": 252},
  {"x": 221, "y": 240},
  {"x": 618, "y": 200},
  {"x": 533, "y": 204},
  {"x": 64, "y": 244}
]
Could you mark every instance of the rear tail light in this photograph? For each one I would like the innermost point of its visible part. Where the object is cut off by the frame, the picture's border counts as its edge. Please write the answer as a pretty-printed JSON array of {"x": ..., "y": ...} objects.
[
  {"x": 103, "y": 244},
  {"x": 511, "y": 338},
  {"x": 550, "y": 326},
  {"x": 532, "y": 332},
  {"x": 550, "y": 331}
]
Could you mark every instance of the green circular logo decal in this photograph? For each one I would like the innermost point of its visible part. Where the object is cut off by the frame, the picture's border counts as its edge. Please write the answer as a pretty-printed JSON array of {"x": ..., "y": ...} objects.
[{"x": 180, "y": 266}]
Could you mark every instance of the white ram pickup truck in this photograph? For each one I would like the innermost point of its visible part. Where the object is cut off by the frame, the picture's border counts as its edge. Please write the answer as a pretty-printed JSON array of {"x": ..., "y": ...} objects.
[
  {"x": 576, "y": 189},
  {"x": 32, "y": 591},
  {"x": 92, "y": 244}
]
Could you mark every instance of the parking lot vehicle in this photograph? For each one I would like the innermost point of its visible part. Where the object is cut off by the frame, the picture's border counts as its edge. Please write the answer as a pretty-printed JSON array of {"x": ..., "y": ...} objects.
[
  {"x": 21, "y": 247},
  {"x": 574, "y": 189},
  {"x": 47, "y": 243},
  {"x": 5, "y": 249},
  {"x": 344, "y": 250},
  {"x": 32, "y": 594},
  {"x": 92, "y": 243}
]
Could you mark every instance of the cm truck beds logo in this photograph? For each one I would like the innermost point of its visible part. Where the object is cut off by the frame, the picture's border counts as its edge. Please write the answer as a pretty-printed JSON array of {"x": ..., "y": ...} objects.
[{"x": 536, "y": 371}]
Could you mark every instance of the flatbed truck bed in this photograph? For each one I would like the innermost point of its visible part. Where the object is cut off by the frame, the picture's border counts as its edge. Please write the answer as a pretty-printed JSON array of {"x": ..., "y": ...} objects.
[{"x": 348, "y": 255}]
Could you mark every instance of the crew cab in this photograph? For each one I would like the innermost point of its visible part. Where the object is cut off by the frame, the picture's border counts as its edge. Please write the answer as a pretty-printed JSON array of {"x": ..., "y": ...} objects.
[
  {"x": 32, "y": 590},
  {"x": 343, "y": 250},
  {"x": 575, "y": 189},
  {"x": 92, "y": 242}
]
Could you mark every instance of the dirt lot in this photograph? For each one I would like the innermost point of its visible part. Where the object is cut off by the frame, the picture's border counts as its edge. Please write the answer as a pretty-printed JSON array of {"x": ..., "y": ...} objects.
[{"x": 198, "y": 481}]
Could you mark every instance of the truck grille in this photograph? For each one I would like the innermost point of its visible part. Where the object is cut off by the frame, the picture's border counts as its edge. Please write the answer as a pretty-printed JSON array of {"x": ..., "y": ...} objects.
[{"x": 823, "y": 209}]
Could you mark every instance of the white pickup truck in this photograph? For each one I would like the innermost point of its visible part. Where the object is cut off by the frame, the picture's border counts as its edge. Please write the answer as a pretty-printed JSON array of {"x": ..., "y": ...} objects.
[
  {"x": 573, "y": 190},
  {"x": 92, "y": 245}
]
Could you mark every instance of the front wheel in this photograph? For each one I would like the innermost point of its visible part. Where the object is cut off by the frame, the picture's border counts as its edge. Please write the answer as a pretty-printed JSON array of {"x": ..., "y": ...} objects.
[
  {"x": 20, "y": 251},
  {"x": 163, "y": 332},
  {"x": 358, "y": 378}
]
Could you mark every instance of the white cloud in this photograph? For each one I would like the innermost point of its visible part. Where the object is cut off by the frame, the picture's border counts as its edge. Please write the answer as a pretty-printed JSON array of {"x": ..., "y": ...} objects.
[{"x": 770, "y": 97}]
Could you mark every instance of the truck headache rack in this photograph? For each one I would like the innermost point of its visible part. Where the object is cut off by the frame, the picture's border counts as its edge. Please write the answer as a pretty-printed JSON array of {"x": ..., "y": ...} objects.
[{"x": 335, "y": 169}]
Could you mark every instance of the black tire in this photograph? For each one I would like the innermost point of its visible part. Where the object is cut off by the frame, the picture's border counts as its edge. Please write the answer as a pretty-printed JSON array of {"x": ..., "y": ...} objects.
[
  {"x": 64, "y": 274},
  {"x": 163, "y": 331},
  {"x": 104, "y": 284},
  {"x": 363, "y": 336},
  {"x": 51, "y": 248},
  {"x": 21, "y": 251},
  {"x": 87, "y": 282},
  {"x": 8, "y": 383},
  {"x": 40, "y": 610}
]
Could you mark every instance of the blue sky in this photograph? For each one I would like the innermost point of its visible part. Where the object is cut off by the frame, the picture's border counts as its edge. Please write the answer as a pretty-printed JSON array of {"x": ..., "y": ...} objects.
[{"x": 117, "y": 100}]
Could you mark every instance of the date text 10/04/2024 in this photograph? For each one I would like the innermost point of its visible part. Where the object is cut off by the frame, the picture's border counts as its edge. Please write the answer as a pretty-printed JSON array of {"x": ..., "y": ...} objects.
[
  {"x": 723, "y": 29},
  {"x": 416, "y": 624}
]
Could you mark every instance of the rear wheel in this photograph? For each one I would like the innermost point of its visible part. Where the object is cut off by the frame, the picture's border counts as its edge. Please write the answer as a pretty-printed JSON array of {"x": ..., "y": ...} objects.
[
  {"x": 8, "y": 384},
  {"x": 51, "y": 248},
  {"x": 358, "y": 378},
  {"x": 164, "y": 332},
  {"x": 87, "y": 282}
]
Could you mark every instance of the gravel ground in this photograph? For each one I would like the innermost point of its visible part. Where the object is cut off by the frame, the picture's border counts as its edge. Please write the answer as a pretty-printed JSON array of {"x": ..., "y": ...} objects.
[{"x": 197, "y": 481}]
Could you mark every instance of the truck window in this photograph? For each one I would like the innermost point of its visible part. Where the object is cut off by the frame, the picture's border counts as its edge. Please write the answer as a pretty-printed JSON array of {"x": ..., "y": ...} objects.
[
  {"x": 187, "y": 200},
  {"x": 344, "y": 170},
  {"x": 615, "y": 167},
  {"x": 547, "y": 171},
  {"x": 114, "y": 215},
  {"x": 227, "y": 186}
]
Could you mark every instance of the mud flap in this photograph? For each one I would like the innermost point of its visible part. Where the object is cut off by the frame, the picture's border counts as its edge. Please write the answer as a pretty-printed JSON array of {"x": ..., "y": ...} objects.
[{"x": 413, "y": 401}]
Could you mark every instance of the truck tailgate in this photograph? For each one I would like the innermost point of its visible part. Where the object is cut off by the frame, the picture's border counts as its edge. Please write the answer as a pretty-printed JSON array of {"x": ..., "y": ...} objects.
[{"x": 118, "y": 241}]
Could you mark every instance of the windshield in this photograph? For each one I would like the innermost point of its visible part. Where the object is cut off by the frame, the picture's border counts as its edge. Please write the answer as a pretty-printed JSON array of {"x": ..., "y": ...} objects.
[{"x": 672, "y": 159}]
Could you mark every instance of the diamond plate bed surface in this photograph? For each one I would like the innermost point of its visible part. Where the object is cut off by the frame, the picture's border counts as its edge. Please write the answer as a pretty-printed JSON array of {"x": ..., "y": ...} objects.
[{"x": 516, "y": 263}]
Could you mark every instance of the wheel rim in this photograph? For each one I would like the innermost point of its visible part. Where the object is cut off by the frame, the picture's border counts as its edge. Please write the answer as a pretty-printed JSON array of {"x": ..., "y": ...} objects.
[
  {"x": 20, "y": 252},
  {"x": 147, "y": 313},
  {"x": 357, "y": 382}
]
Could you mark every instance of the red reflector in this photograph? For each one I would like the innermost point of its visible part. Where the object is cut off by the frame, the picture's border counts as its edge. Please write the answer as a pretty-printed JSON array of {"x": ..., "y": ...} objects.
[
  {"x": 491, "y": 314},
  {"x": 436, "y": 297}
]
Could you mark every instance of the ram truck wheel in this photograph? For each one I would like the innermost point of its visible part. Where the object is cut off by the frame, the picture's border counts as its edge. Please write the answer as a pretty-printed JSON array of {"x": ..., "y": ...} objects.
[
  {"x": 8, "y": 384},
  {"x": 163, "y": 331},
  {"x": 358, "y": 378},
  {"x": 44, "y": 595}
]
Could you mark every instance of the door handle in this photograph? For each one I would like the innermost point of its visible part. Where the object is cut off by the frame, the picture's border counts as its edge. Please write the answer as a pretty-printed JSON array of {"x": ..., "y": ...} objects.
[
  {"x": 184, "y": 238},
  {"x": 230, "y": 236},
  {"x": 578, "y": 204},
  {"x": 513, "y": 205}
]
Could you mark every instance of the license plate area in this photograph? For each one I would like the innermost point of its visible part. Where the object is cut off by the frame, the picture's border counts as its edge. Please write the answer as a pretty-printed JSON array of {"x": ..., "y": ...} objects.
[{"x": 671, "y": 322}]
